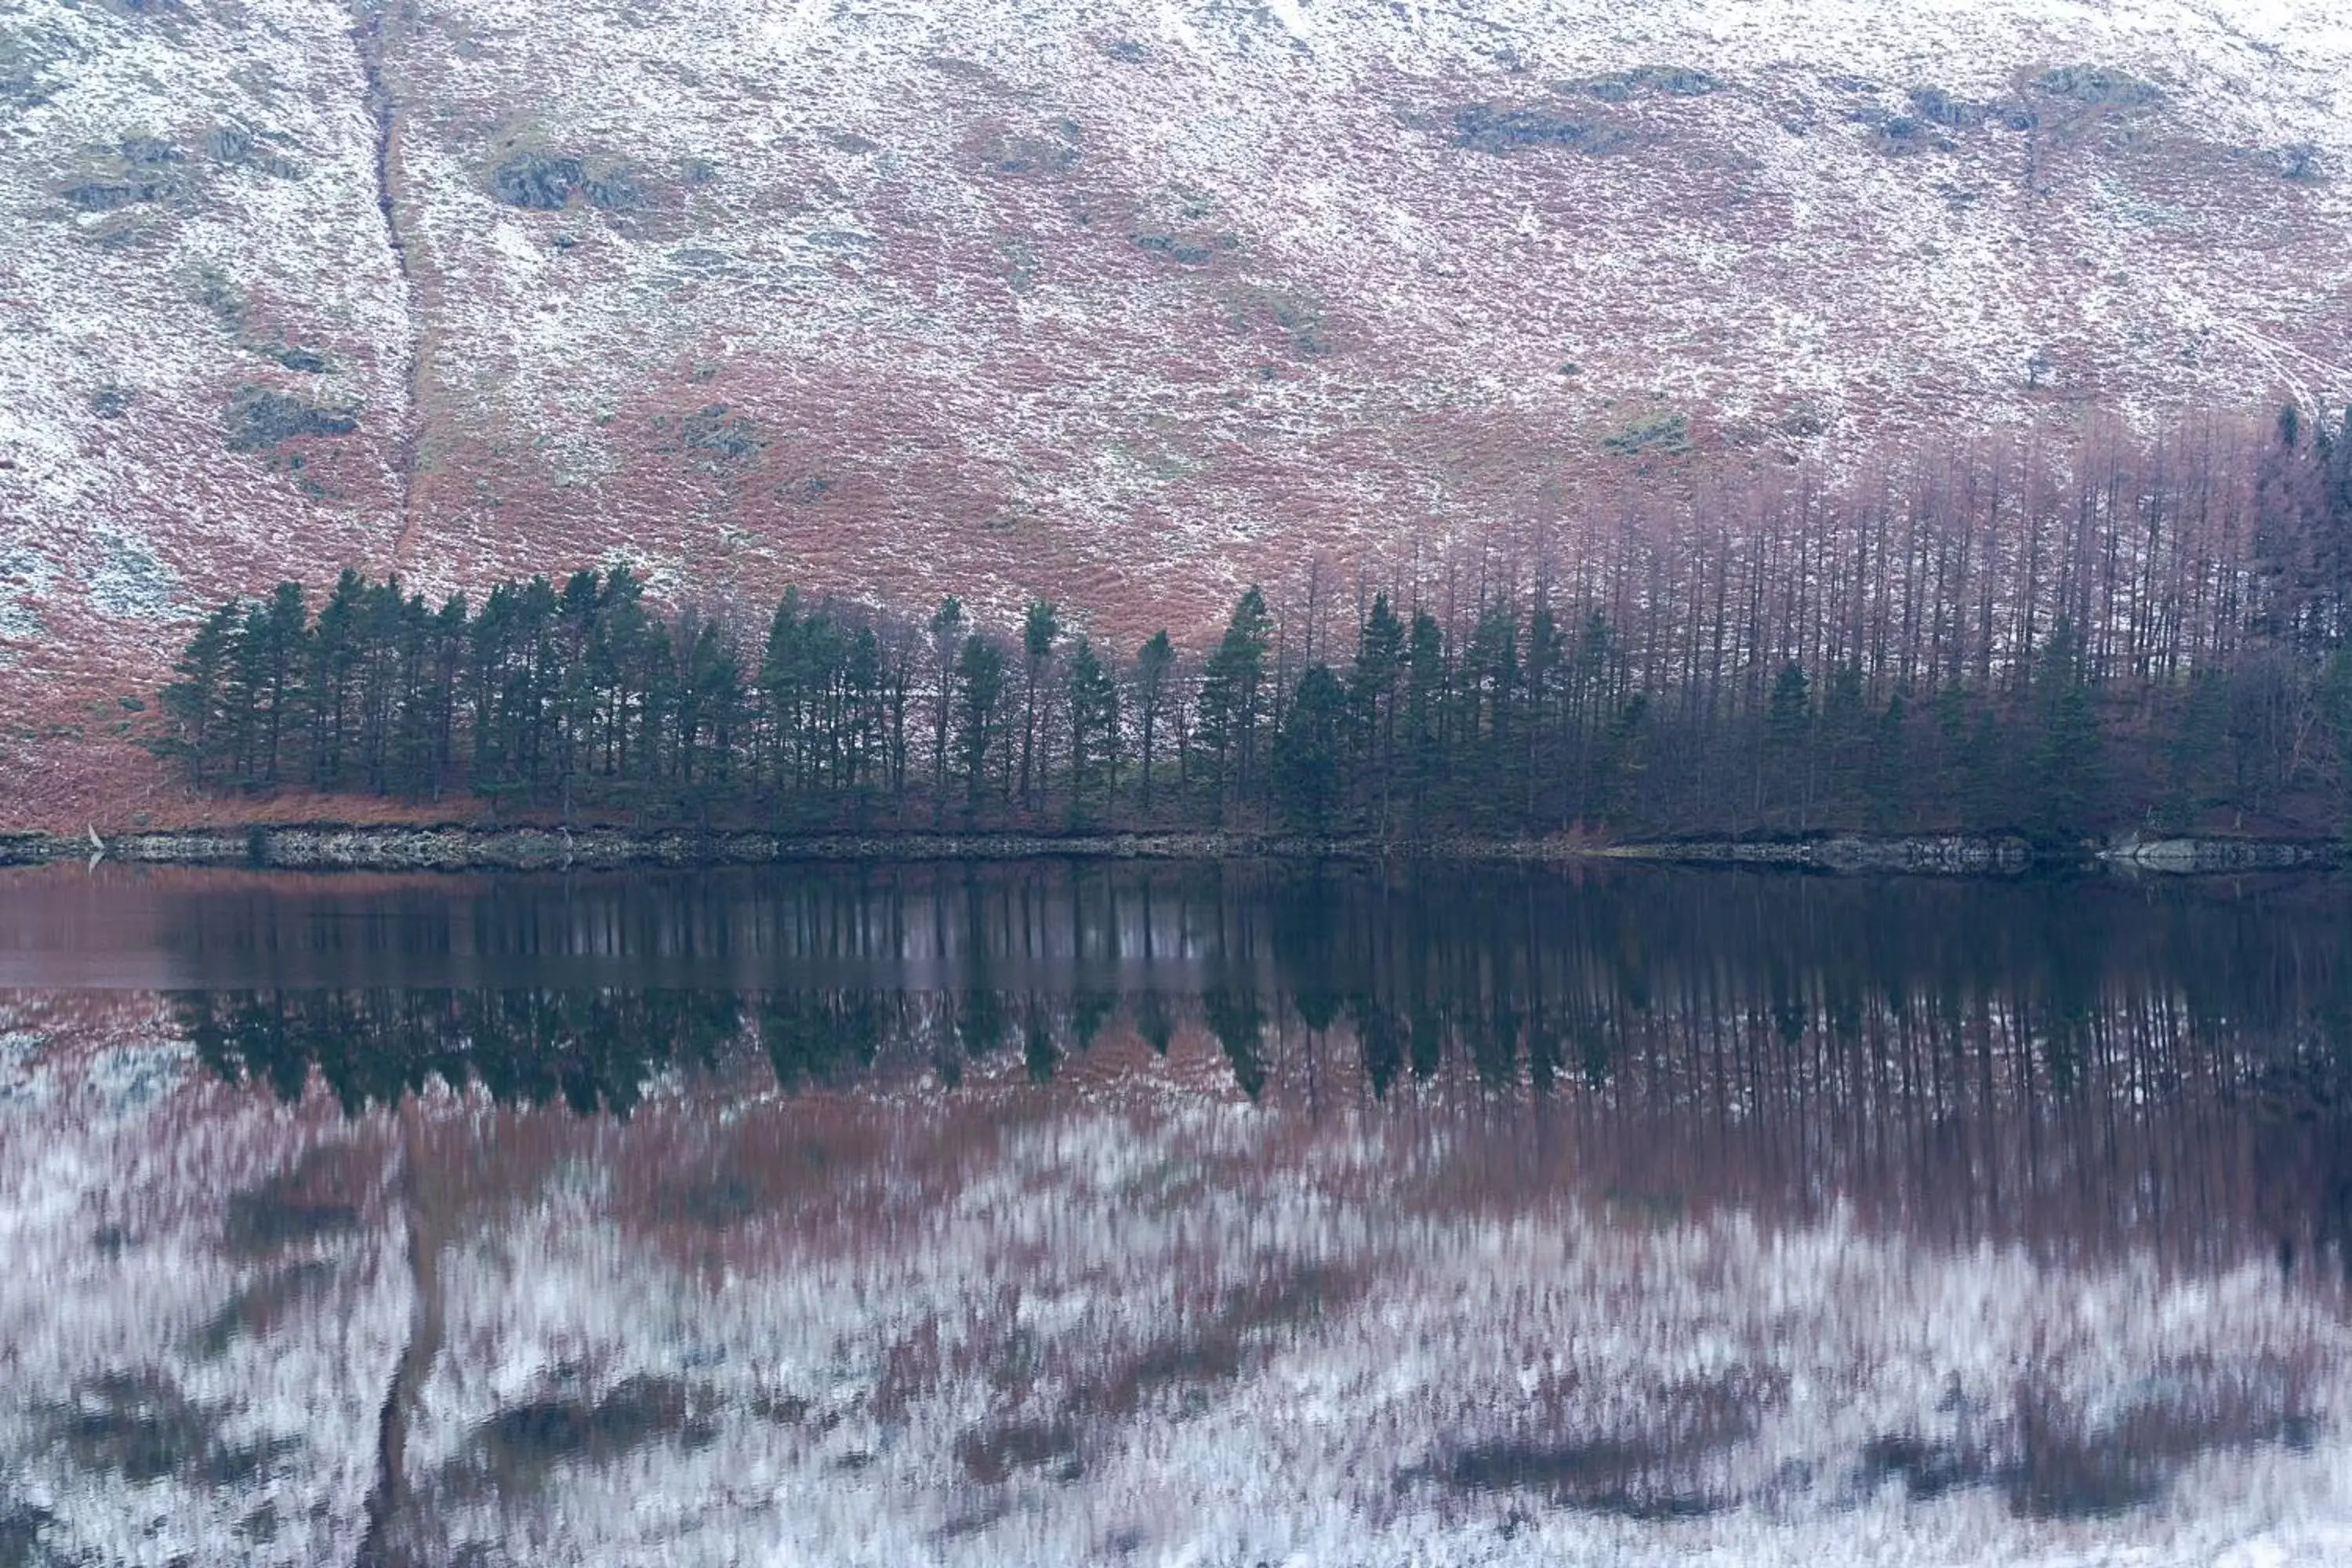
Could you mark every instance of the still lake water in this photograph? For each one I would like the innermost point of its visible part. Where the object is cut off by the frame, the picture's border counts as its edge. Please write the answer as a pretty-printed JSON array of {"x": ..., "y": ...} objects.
[{"x": 1172, "y": 1214}]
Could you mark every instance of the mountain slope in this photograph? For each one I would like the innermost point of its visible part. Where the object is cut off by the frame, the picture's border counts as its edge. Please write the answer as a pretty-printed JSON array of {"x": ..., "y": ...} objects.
[{"x": 1125, "y": 307}]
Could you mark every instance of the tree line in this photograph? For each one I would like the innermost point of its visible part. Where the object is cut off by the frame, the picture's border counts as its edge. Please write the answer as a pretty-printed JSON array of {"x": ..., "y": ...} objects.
[{"x": 2124, "y": 634}]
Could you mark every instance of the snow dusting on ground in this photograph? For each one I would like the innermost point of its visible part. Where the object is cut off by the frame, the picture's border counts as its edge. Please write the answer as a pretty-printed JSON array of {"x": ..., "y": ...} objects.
[{"x": 1128, "y": 306}]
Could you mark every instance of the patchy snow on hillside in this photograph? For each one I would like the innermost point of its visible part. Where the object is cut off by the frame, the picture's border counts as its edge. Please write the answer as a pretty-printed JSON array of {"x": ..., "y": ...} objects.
[{"x": 1125, "y": 306}]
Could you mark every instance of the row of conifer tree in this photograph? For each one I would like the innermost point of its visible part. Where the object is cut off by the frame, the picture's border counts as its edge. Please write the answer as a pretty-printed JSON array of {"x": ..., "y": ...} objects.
[{"x": 2160, "y": 647}]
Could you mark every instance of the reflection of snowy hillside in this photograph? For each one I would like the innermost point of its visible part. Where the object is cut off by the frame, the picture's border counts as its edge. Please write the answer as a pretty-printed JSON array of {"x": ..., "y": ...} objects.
[
  {"x": 1123, "y": 1315},
  {"x": 199, "y": 1304}
]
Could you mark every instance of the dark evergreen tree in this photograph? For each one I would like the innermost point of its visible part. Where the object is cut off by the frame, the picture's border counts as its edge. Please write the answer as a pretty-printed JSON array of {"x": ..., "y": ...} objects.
[
  {"x": 1420, "y": 748},
  {"x": 1093, "y": 705},
  {"x": 1308, "y": 753},
  {"x": 1373, "y": 706},
  {"x": 198, "y": 701},
  {"x": 336, "y": 652},
  {"x": 1230, "y": 701},
  {"x": 980, "y": 690},
  {"x": 2067, "y": 752},
  {"x": 1887, "y": 772},
  {"x": 1153, "y": 661},
  {"x": 1041, "y": 626},
  {"x": 947, "y": 644},
  {"x": 1785, "y": 760}
]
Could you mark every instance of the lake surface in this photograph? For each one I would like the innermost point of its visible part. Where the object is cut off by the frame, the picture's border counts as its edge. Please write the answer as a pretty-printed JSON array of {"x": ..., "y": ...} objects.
[{"x": 1172, "y": 1214}]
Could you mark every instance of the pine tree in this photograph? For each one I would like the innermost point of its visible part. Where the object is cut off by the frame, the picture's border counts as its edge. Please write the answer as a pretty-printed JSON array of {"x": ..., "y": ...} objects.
[
  {"x": 1887, "y": 772},
  {"x": 1421, "y": 747},
  {"x": 1372, "y": 704},
  {"x": 2196, "y": 760},
  {"x": 195, "y": 702},
  {"x": 286, "y": 634},
  {"x": 1041, "y": 626},
  {"x": 1541, "y": 760},
  {"x": 1589, "y": 698},
  {"x": 1787, "y": 720},
  {"x": 1094, "y": 727},
  {"x": 2335, "y": 716},
  {"x": 1231, "y": 698},
  {"x": 1152, "y": 663},
  {"x": 947, "y": 642},
  {"x": 1307, "y": 751},
  {"x": 710, "y": 699},
  {"x": 979, "y": 687},
  {"x": 1486, "y": 732},
  {"x": 787, "y": 694},
  {"x": 2067, "y": 752},
  {"x": 1619, "y": 760},
  {"x": 1843, "y": 745},
  {"x": 335, "y": 653}
]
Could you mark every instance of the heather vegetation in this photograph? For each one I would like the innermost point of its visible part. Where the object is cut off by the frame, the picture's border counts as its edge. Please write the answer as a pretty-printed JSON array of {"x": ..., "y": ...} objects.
[{"x": 2126, "y": 637}]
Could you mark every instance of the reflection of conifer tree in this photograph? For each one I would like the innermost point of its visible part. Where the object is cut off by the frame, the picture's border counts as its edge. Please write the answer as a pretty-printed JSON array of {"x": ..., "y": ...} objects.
[
  {"x": 595, "y": 1050},
  {"x": 819, "y": 1038},
  {"x": 1090, "y": 1008},
  {"x": 1545, "y": 1052},
  {"x": 284, "y": 1056},
  {"x": 1237, "y": 1019},
  {"x": 1039, "y": 1053},
  {"x": 1154, "y": 1022},
  {"x": 1428, "y": 1042},
  {"x": 983, "y": 1021},
  {"x": 1495, "y": 1043},
  {"x": 1305, "y": 946},
  {"x": 1380, "y": 1040}
]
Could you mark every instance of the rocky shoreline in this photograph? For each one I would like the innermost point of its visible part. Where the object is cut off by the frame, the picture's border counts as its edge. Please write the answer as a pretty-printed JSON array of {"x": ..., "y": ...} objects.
[
  {"x": 327, "y": 848},
  {"x": 1961, "y": 855}
]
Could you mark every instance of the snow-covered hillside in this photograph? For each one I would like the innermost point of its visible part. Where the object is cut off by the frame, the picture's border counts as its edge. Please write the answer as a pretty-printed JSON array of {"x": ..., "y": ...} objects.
[{"x": 1125, "y": 304}]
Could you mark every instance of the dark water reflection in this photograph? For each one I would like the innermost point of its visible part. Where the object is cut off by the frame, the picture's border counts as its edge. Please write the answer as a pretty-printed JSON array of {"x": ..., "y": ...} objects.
[
  {"x": 971, "y": 1213},
  {"x": 2072, "y": 1061}
]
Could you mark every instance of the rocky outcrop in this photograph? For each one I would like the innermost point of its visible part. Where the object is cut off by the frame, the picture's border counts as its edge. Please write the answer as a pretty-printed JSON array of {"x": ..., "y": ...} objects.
[
  {"x": 2194, "y": 854},
  {"x": 1940, "y": 855}
]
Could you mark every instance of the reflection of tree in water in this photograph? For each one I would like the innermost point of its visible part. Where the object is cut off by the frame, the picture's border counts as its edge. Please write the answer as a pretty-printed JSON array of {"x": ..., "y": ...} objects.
[
  {"x": 1155, "y": 1020},
  {"x": 1740, "y": 996},
  {"x": 817, "y": 1039},
  {"x": 1744, "y": 1036},
  {"x": 595, "y": 1050},
  {"x": 1239, "y": 1024}
]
